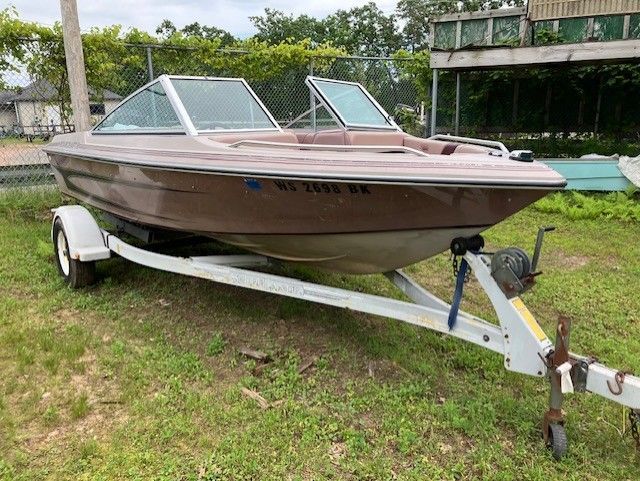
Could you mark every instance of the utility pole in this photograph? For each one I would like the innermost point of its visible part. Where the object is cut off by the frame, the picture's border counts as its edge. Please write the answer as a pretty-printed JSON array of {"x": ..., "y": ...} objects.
[{"x": 75, "y": 65}]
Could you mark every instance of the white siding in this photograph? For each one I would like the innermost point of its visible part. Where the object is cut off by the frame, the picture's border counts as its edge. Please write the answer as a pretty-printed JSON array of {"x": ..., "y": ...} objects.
[
  {"x": 31, "y": 114},
  {"x": 7, "y": 116}
]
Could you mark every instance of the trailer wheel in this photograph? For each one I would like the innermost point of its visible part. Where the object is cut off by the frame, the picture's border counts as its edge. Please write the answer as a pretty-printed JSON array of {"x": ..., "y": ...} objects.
[
  {"x": 557, "y": 441},
  {"x": 74, "y": 272}
]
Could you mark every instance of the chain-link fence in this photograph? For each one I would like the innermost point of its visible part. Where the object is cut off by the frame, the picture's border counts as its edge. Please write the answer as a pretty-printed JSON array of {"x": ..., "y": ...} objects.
[
  {"x": 35, "y": 106},
  {"x": 28, "y": 119}
]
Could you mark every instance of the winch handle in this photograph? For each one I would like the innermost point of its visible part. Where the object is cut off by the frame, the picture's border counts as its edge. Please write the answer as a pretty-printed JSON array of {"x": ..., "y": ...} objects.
[{"x": 538, "y": 248}]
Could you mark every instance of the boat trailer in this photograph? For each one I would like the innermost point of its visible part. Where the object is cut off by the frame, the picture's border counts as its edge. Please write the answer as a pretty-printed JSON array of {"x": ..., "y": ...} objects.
[{"x": 79, "y": 242}]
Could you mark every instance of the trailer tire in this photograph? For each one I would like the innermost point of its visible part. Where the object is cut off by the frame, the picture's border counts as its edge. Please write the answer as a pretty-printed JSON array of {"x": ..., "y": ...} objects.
[
  {"x": 75, "y": 273},
  {"x": 557, "y": 441}
]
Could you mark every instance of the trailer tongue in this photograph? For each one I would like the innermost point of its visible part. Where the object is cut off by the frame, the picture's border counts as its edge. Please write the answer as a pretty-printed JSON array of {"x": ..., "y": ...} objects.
[{"x": 79, "y": 242}]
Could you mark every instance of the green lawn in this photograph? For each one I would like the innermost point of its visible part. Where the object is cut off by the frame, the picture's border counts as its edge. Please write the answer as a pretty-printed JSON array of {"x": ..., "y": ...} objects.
[
  {"x": 139, "y": 377},
  {"x": 10, "y": 141}
]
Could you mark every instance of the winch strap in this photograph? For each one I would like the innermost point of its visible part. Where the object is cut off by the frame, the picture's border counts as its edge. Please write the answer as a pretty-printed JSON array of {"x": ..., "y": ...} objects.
[{"x": 457, "y": 294}]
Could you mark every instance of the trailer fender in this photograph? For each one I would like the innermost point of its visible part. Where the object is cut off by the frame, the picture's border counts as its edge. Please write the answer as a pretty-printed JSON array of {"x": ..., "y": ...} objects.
[{"x": 83, "y": 234}]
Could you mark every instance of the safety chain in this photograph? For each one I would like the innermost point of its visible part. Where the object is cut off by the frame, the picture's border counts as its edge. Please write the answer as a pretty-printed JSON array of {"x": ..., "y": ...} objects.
[
  {"x": 456, "y": 268},
  {"x": 634, "y": 420}
]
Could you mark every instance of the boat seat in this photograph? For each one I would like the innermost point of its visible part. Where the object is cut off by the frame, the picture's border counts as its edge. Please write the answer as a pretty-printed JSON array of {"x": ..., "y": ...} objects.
[
  {"x": 323, "y": 137},
  {"x": 441, "y": 147},
  {"x": 285, "y": 137},
  {"x": 355, "y": 137}
]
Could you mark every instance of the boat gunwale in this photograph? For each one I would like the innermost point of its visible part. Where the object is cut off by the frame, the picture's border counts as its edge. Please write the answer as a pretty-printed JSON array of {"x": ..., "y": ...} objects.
[{"x": 271, "y": 174}]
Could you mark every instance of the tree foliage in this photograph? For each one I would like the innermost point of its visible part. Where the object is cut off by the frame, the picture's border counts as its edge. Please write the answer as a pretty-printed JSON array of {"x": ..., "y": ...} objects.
[
  {"x": 167, "y": 29},
  {"x": 117, "y": 60},
  {"x": 367, "y": 30},
  {"x": 278, "y": 57},
  {"x": 363, "y": 30},
  {"x": 276, "y": 27}
]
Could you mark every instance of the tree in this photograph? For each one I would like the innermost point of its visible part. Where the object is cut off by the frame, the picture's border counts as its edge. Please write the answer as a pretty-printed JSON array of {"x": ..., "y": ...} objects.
[
  {"x": 275, "y": 27},
  {"x": 416, "y": 15},
  {"x": 474, "y": 5},
  {"x": 39, "y": 50},
  {"x": 204, "y": 31},
  {"x": 166, "y": 29},
  {"x": 364, "y": 30},
  {"x": 117, "y": 61}
]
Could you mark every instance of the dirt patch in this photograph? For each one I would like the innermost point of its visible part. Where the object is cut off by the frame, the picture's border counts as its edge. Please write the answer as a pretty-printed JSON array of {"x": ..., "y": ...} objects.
[
  {"x": 105, "y": 412},
  {"x": 564, "y": 261}
]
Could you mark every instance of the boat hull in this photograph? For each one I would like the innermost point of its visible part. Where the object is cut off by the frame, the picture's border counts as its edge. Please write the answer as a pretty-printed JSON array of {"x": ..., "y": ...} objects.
[
  {"x": 347, "y": 226},
  {"x": 601, "y": 175}
]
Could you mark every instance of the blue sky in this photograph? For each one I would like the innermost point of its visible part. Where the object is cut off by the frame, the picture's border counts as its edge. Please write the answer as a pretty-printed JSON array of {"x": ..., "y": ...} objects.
[{"x": 147, "y": 14}]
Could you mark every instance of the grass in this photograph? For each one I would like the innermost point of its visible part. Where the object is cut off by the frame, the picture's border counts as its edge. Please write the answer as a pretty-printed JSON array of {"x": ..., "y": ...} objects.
[
  {"x": 216, "y": 344},
  {"x": 139, "y": 377},
  {"x": 9, "y": 141},
  {"x": 622, "y": 206}
]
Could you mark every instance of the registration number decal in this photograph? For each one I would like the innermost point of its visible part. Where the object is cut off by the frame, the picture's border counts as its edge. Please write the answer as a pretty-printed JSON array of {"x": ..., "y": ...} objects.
[{"x": 321, "y": 187}]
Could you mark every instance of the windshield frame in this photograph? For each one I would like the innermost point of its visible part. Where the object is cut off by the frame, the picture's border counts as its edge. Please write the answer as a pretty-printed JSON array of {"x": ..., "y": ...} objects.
[
  {"x": 181, "y": 112},
  {"x": 335, "y": 113}
]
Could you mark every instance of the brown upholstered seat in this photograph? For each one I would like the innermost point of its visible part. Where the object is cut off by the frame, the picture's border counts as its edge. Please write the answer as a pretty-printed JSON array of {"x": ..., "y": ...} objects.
[
  {"x": 441, "y": 147},
  {"x": 361, "y": 137},
  {"x": 286, "y": 136},
  {"x": 353, "y": 137}
]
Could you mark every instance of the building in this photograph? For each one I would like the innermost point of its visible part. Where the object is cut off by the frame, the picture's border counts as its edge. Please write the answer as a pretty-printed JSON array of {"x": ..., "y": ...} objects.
[
  {"x": 546, "y": 33},
  {"x": 35, "y": 109}
]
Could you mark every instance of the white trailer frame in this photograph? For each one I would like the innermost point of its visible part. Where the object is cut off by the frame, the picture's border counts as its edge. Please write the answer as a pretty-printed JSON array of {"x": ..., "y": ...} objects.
[{"x": 518, "y": 336}]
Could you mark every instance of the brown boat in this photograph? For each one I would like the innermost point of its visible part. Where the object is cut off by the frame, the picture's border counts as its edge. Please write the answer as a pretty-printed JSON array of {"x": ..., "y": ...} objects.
[{"x": 204, "y": 156}]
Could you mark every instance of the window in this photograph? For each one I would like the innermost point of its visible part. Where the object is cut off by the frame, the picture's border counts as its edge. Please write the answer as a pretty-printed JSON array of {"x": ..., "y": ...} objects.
[
  {"x": 573, "y": 30},
  {"x": 352, "y": 104},
  {"x": 505, "y": 30},
  {"x": 608, "y": 28},
  {"x": 474, "y": 32},
  {"x": 445, "y": 35},
  {"x": 221, "y": 105},
  {"x": 96, "y": 109},
  {"x": 149, "y": 109}
]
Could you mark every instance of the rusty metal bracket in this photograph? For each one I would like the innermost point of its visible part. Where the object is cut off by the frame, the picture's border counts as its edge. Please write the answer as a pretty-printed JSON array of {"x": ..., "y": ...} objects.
[{"x": 559, "y": 356}]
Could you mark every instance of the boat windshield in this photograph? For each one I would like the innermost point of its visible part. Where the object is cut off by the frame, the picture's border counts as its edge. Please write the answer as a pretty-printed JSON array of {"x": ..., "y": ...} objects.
[
  {"x": 149, "y": 110},
  {"x": 350, "y": 104},
  {"x": 221, "y": 104},
  {"x": 190, "y": 105}
]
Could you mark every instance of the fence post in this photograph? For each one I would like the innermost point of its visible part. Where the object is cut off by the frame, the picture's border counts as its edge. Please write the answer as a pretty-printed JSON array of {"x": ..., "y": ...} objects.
[
  {"x": 434, "y": 101},
  {"x": 149, "y": 64},
  {"x": 74, "y": 58},
  {"x": 457, "y": 120},
  {"x": 312, "y": 100},
  {"x": 596, "y": 126}
]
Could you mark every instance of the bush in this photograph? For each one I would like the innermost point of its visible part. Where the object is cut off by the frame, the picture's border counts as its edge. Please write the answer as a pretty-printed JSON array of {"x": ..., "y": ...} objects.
[{"x": 554, "y": 146}]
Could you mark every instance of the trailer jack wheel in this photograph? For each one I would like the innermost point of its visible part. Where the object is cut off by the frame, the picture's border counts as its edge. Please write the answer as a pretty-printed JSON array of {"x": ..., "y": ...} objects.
[
  {"x": 557, "y": 440},
  {"x": 74, "y": 272}
]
